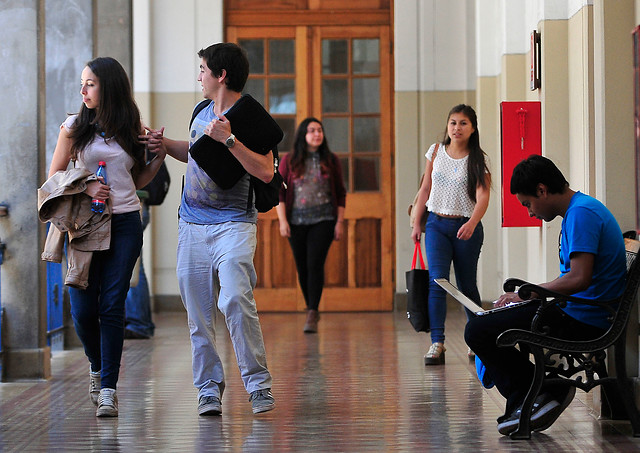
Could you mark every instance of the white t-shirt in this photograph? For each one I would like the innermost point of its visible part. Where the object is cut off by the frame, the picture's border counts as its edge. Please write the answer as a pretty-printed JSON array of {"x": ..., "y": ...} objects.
[
  {"x": 449, "y": 179},
  {"x": 119, "y": 164}
]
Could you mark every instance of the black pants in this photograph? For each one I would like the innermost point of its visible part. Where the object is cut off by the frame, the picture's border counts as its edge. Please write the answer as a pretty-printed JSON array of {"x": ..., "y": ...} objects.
[
  {"x": 310, "y": 245},
  {"x": 510, "y": 369}
]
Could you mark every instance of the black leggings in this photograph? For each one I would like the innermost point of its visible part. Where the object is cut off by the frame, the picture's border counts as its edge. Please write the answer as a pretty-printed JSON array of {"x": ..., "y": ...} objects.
[{"x": 310, "y": 245}]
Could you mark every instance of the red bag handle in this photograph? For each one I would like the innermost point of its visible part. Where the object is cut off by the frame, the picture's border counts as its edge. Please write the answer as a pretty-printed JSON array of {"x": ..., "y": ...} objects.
[{"x": 417, "y": 252}]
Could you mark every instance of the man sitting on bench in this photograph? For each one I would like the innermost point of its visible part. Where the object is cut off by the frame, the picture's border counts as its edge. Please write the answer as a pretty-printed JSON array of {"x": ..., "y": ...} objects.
[{"x": 592, "y": 266}]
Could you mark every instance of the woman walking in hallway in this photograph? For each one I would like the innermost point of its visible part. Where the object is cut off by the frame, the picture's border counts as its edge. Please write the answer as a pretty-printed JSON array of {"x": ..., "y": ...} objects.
[
  {"x": 106, "y": 130},
  {"x": 311, "y": 209},
  {"x": 455, "y": 191}
]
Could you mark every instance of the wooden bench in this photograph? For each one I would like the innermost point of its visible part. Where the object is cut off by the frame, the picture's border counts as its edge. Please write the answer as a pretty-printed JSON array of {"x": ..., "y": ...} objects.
[{"x": 581, "y": 364}]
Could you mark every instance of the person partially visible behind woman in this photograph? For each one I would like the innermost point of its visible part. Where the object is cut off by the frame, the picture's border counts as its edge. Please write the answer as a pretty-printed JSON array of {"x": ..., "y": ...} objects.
[
  {"x": 311, "y": 209},
  {"x": 455, "y": 191},
  {"x": 107, "y": 128}
]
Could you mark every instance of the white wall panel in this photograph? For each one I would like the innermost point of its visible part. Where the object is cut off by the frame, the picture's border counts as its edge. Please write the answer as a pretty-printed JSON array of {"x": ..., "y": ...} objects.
[
  {"x": 406, "y": 47},
  {"x": 488, "y": 38}
]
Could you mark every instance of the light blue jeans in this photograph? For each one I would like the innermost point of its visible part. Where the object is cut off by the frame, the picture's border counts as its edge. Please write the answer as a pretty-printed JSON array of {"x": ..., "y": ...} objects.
[
  {"x": 215, "y": 269},
  {"x": 443, "y": 247}
]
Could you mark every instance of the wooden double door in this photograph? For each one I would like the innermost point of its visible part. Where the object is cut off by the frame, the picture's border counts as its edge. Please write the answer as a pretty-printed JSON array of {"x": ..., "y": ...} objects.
[{"x": 341, "y": 75}]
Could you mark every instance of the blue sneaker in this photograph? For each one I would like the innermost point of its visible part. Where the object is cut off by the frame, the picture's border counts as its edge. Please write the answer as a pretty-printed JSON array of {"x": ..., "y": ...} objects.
[{"x": 209, "y": 405}]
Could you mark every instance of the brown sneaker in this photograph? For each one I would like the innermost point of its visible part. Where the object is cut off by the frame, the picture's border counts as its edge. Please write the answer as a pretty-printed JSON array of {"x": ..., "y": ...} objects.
[
  {"x": 311, "y": 325},
  {"x": 435, "y": 355}
]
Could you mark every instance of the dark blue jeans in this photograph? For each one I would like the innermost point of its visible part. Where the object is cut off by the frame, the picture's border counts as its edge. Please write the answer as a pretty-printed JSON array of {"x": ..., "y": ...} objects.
[
  {"x": 310, "y": 245},
  {"x": 98, "y": 311},
  {"x": 443, "y": 247},
  {"x": 138, "y": 303}
]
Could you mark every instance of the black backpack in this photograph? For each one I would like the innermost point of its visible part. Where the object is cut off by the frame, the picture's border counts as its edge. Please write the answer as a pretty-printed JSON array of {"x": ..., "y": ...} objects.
[
  {"x": 158, "y": 187},
  {"x": 267, "y": 195}
]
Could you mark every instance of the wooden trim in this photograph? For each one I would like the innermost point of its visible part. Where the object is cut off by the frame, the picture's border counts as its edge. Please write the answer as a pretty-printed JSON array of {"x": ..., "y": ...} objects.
[{"x": 303, "y": 18}]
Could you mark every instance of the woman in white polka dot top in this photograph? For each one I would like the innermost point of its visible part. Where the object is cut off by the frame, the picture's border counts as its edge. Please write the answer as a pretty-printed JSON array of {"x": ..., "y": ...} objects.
[{"x": 455, "y": 192}]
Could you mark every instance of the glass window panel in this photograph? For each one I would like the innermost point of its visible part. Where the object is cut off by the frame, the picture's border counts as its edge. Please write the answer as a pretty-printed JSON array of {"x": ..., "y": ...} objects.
[
  {"x": 366, "y": 56},
  {"x": 335, "y": 56},
  {"x": 366, "y": 135},
  {"x": 344, "y": 162},
  {"x": 255, "y": 87},
  {"x": 255, "y": 53},
  {"x": 336, "y": 130},
  {"x": 366, "y": 174},
  {"x": 282, "y": 96},
  {"x": 335, "y": 97},
  {"x": 281, "y": 56},
  {"x": 366, "y": 95},
  {"x": 288, "y": 126}
]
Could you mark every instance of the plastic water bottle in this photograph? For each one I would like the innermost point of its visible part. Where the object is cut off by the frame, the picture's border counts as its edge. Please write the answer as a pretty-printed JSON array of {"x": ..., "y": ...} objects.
[{"x": 98, "y": 205}]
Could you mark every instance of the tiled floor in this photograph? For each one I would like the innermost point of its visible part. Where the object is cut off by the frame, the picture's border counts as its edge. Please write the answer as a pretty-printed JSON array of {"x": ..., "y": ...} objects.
[{"x": 359, "y": 385}]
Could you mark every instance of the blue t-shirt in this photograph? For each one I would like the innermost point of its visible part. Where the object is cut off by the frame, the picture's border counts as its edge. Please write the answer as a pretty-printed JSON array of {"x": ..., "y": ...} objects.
[
  {"x": 588, "y": 226},
  {"x": 203, "y": 202}
]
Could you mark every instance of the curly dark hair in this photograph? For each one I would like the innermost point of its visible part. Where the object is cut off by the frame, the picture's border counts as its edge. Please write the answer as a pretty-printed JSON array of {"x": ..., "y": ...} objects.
[{"x": 230, "y": 57}]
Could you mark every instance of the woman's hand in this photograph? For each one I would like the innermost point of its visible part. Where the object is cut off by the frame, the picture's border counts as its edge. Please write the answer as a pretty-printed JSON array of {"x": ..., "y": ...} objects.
[
  {"x": 285, "y": 229},
  {"x": 97, "y": 190},
  {"x": 153, "y": 141},
  {"x": 416, "y": 233},
  {"x": 466, "y": 231},
  {"x": 338, "y": 231}
]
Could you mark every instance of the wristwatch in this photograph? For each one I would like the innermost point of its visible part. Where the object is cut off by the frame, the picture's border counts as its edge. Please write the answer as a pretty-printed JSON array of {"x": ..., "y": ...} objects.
[{"x": 230, "y": 141}]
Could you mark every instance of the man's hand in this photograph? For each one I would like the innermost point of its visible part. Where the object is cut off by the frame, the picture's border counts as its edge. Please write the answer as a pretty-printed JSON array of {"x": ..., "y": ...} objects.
[
  {"x": 219, "y": 129},
  {"x": 506, "y": 299}
]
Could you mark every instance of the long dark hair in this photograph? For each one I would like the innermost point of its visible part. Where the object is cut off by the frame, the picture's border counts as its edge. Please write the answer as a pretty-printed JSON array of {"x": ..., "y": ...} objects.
[
  {"x": 477, "y": 169},
  {"x": 300, "y": 151},
  {"x": 116, "y": 116}
]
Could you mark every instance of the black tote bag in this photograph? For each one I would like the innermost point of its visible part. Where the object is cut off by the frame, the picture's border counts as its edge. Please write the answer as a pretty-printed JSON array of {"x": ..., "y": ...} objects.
[{"x": 418, "y": 293}]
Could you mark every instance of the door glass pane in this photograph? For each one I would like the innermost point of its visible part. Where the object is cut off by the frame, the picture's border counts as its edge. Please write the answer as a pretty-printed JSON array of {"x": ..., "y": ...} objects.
[
  {"x": 366, "y": 56},
  {"x": 335, "y": 56},
  {"x": 366, "y": 173},
  {"x": 366, "y": 95},
  {"x": 282, "y": 96},
  {"x": 344, "y": 162},
  {"x": 335, "y": 97},
  {"x": 255, "y": 53},
  {"x": 255, "y": 87},
  {"x": 366, "y": 135},
  {"x": 281, "y": 56},
  {"x": 288, "y": 126},
  {"x": 336, "y": 130}
]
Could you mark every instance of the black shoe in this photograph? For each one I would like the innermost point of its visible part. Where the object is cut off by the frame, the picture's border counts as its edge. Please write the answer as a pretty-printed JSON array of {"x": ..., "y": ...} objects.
[
  {"x": 547, "y": 419},
  {"x": 544, "y": 413}
]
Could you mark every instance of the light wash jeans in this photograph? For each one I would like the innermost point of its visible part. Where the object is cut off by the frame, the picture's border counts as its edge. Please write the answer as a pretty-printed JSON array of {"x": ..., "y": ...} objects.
[
  {"x": 442, "y": 247},
  {"x": 215, "y": 268},
  {"x": 138, "y": 303}
]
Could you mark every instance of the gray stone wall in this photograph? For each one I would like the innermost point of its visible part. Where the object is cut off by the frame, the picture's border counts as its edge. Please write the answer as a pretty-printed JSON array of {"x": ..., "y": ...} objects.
[{"x": 45, "y": 45}]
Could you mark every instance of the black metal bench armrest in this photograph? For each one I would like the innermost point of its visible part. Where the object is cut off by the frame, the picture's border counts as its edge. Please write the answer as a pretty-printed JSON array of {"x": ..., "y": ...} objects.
[{"x": 513, "y": 336}]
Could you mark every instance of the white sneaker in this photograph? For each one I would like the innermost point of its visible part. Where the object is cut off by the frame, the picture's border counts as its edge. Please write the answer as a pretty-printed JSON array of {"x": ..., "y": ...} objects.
[
  {"x": 107, "y": 403},
  {"x": 94, "y": 386}
]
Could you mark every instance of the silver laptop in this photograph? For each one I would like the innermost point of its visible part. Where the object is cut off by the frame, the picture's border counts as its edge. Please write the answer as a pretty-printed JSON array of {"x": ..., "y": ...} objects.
[{"x": 468, "y": 303}]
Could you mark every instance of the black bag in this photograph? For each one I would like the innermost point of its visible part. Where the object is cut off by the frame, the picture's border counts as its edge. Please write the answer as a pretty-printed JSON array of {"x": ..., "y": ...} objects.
[
  {"x": 267, "y": 194},
  {"x": 252, "y": 125},
  {"x": 418, "y": 294},
  {"x": 158, "y": 187}
]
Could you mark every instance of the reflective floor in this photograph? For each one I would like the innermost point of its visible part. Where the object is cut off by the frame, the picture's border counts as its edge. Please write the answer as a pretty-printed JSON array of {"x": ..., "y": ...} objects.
[{"x": 359, "y": 385}]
